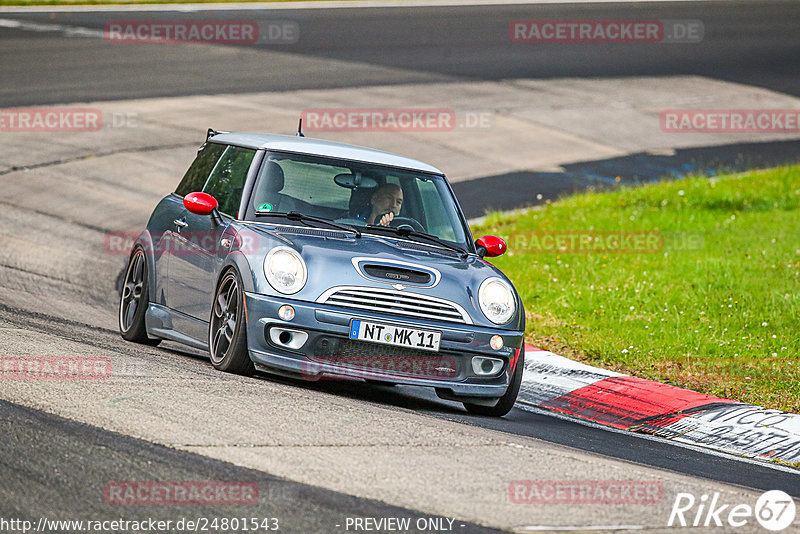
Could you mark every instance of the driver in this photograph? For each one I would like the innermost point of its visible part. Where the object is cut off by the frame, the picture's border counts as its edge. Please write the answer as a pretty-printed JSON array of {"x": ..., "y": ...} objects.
[{"x": 384, "y": 205}]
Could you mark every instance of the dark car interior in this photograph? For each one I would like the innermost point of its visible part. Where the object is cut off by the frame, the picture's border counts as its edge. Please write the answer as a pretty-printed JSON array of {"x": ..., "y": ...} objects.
[{"x": 271, "y": 195}]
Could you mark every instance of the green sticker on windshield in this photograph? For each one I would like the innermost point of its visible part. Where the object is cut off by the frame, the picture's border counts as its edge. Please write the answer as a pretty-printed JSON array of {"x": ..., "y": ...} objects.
[{"x": 265, "y": 207}]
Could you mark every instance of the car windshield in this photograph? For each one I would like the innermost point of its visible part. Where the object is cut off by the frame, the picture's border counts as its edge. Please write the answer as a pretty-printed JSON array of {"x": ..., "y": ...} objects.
[{"x": 358, "y": 194}]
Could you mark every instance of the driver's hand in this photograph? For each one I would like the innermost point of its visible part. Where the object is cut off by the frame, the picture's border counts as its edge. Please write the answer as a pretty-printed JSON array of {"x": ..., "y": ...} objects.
[{"x": 386, "y": 219}]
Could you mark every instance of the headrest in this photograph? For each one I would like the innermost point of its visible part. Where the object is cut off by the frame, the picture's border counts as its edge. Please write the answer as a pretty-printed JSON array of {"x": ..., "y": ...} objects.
[
  {"x": 359, "y": 199},
  {"x": 273, "y": 177}
]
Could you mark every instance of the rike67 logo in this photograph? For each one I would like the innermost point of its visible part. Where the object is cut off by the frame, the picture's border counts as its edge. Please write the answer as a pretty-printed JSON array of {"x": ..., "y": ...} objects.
[{"x": 774, "y": 510}]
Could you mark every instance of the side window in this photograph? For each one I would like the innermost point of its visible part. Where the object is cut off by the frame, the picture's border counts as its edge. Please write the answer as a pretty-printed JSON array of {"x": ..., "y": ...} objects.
[
  {"x": 196, "y": 176},
  {"x": 227, "y": 179},
  {"x": 438, "y": 222}
]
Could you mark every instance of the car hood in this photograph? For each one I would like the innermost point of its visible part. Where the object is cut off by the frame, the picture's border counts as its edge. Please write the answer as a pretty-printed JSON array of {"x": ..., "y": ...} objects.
[{"x": 337, "y": 258}]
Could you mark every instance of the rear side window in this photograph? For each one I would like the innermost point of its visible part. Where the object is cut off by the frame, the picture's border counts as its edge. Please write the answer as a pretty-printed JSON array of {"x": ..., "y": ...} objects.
[
  {"x": 226, "y": 181},
  {"x": 195, "y": 178}
]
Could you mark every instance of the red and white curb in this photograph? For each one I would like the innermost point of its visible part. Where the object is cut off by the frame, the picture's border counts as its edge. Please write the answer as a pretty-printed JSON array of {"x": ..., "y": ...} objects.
[{"x": 555, "y": 383}]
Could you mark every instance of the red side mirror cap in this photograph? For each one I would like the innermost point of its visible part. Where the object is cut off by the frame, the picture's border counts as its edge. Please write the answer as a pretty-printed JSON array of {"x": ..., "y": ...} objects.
[
  {"x": 200, "y": 203},
  {"x": 490, "y": 246}
]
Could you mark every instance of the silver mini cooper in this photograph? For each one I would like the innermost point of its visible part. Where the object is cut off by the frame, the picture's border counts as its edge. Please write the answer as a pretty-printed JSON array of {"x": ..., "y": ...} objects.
[{"x": 310, "y": 259}]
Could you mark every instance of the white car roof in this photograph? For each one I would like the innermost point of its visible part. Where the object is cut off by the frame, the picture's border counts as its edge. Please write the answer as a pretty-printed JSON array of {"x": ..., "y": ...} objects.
[{"x": 320, "y": 147}]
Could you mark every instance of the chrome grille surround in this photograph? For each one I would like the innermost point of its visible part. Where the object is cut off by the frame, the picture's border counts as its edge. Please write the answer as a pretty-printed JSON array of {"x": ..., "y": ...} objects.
[{"x": 402, "y": 304}]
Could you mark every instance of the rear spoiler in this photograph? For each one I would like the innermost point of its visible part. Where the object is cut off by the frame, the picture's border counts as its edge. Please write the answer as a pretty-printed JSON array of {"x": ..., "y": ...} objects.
[{"x": 211, "y": 133}]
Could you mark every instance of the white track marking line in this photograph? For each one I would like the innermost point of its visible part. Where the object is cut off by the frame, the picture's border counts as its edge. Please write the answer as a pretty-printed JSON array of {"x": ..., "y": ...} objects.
[{"x": 45, "y": 27}]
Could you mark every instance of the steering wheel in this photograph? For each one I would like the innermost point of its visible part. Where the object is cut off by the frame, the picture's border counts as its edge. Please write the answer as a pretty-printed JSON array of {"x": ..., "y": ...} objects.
[{"x": 407, "y": 222}]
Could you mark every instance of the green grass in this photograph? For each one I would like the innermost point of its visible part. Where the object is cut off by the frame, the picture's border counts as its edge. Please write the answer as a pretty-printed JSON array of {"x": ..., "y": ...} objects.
[{"x": 716, "y": 308}]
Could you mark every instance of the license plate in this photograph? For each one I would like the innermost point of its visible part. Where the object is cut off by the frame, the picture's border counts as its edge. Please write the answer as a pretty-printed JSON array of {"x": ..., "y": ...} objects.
[{"x": 400, "y": 336}]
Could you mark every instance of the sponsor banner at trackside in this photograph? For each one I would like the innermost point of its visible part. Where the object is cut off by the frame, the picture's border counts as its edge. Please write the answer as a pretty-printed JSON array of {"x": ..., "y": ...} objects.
[
  {"x": 555, "y": 383},
  {"x": 740, "y": 429}
]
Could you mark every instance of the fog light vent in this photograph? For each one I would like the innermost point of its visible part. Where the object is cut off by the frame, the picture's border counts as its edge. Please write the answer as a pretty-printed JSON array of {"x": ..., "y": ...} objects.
[
  {"x": 290, "y": 339},
  {"x": 484, "y": 366}
]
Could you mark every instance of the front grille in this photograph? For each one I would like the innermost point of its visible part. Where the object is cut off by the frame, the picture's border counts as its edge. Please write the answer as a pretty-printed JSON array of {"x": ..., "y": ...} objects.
[
  {"x": 397, "y": 303},
  {"x": 378, "y": 359}
]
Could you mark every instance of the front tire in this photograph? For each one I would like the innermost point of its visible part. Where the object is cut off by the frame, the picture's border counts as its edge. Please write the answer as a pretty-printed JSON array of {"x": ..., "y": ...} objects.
[
  {"x": 507, "y": 401},
  {"x": 227, "y": 332},
  {"x": 133, "y": 301}
]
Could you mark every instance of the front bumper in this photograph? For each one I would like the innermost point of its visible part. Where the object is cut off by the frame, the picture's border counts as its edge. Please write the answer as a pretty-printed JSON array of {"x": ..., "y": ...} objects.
[{"x": 328, "y": 351}]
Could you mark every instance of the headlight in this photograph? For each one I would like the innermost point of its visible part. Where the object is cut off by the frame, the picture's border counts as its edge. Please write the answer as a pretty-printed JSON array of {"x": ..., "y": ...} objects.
[
  {"x": 497, "y": 300},
  {"x": 285, "y": 270}
]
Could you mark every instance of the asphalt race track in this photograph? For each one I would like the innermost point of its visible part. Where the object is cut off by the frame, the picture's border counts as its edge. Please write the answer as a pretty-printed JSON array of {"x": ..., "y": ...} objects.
[
  {"x": 319, "y": 453},
  {"x": 746, "y": 42},
  {"x": 33, "y": 480}
]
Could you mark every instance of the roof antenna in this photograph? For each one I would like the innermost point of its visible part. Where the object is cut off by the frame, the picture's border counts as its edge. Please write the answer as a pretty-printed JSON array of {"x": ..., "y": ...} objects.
[{"x": 300, "y": 128}]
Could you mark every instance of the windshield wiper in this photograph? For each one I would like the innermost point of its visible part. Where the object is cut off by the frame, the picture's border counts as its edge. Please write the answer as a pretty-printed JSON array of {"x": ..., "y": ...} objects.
[
  {"x": 297, "y": 216},
  {"x": 405, "y": 232}
]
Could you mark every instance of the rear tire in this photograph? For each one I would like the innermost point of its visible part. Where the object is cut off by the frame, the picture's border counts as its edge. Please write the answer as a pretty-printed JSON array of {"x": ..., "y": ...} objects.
[
  {"x": 227, "y": 329},
  {"x": 507, "y": 401},
  {"x": 133, "y": 301}
]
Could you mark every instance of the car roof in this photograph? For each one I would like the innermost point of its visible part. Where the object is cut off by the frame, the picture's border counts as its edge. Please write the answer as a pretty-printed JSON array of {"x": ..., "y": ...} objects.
[{"x": 320, "y": 147}]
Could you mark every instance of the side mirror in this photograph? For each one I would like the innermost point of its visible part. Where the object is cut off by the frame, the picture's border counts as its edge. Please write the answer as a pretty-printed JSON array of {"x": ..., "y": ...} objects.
[
  {"x": 491, "y": 246},
  {"x": 202, "y": 204}
]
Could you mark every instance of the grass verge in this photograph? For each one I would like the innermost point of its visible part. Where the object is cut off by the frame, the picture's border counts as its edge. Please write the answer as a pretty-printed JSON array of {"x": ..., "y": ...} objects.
[{"x": 694, "y": 282}]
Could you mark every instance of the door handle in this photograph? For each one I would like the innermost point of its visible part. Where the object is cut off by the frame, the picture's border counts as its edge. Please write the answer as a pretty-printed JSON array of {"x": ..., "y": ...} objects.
[{"x": 180, "y": 223}]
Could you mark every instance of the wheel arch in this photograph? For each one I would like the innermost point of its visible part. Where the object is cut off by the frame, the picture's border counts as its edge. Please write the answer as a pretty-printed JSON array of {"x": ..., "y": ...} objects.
[
  {"x": 145, "y": 241},
  {"x": 239, "y": 261}
]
